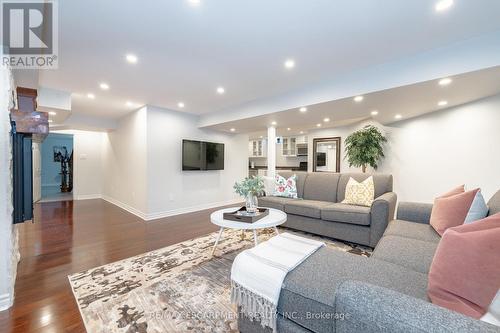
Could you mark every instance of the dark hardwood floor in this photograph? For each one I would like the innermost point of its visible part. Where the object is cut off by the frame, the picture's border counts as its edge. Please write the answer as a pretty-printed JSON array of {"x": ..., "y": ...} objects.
[{"x": 71, "y": 236}]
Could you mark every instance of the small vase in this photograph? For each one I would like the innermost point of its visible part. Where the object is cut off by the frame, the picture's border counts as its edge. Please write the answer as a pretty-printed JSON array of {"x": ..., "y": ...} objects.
[{"x": 251, "y": 203}]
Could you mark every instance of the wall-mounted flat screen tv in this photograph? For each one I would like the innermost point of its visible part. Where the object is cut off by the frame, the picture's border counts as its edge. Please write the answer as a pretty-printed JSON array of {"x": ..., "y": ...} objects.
[{"x": 201, "y": 155}]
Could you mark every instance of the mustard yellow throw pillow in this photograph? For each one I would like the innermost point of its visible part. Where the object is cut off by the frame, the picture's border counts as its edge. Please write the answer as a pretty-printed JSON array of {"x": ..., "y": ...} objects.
[{"x": 360, "y": 194}]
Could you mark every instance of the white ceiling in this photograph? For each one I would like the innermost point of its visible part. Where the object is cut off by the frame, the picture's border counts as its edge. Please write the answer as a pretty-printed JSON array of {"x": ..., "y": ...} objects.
[
  {"x": 408, "y": 101},
  {"x": 186, "y": 51}
]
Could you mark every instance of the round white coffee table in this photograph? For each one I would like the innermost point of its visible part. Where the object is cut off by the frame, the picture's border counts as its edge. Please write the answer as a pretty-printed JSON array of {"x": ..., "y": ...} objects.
[{"x": 275, "y": 218}]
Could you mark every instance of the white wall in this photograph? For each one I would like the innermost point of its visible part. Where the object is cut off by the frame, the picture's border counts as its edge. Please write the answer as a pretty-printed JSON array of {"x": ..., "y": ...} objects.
[
  {"x": 125, "y": 163},
  {"x": 9, "y": 254},
  {"x": 433, "y": 153},
  {"x": 171, "y": 190},
  {"x": 87, "y": 163},
  {"x": 430, "y": 154}
]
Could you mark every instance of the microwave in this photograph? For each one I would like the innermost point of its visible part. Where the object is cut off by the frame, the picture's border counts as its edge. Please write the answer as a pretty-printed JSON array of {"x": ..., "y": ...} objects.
[{"x": 302, "y": 149}]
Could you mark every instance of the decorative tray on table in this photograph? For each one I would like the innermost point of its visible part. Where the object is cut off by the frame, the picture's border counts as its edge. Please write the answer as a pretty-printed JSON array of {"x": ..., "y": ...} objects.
[{"x": 241, "y": 215}]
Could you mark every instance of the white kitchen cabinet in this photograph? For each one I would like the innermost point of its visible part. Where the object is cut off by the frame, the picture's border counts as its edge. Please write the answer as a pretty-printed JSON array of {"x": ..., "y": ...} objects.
[
  {"x": 289, "y": 146},
  {"x": 257, "y": 148}
]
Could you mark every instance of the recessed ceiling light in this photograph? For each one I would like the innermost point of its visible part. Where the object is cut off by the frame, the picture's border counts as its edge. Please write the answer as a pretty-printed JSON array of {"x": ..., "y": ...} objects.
[
  {"x": 288, "y": 129},
  {"x": 194, "y": 2},
  {"x": 131, "y": 58},
  {"x": 50, "y": 120},
  {"x": 398, "y": 116},
  {"x": 221, "y": 90},
  {"x": 261, "y": 136},
  {"x": 326, "y": 120},
  {"x": 301, "y": 132},
  {"x": 358, "y": 98},
  {"x": 233, "y": 129},
  {"x": 374, "y": 113},
  {"x": 273, "y": 123},
  {"x": 104, "y": 86},
  {"x": 91, "y": 96},
  {"x": 303, "y": 109},
  {"x": 318, "y": 125},
  {"x": 52, "y": 113},
  {"x": 443, "y": 103},
  {"x": 289, "y": 64},
  {"x": 180, "y": 104},
  {"x": 444, "y": 82},
  {"x": 443, "y": 5}
]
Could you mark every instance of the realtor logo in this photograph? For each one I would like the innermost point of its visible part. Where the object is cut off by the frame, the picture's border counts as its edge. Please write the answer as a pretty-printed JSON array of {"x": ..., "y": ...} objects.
[{"x": 29, "y": 34}]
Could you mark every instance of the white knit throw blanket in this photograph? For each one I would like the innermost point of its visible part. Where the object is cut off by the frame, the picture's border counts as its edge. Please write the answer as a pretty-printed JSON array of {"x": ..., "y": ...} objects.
[{"x": 258, "y": 273}]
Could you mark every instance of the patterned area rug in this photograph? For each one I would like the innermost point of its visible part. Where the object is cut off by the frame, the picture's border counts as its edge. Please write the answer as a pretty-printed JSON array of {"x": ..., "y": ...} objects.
[{"x": 178, "y": 288}]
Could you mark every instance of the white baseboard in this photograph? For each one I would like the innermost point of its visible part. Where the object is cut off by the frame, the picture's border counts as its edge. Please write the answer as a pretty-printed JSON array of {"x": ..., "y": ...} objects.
[
  {"x": 87, "y": 196},
  {"x": 159, "y": 215},
  {"x": 5, "y": 301},
  {"x": 124, "y": 206}
]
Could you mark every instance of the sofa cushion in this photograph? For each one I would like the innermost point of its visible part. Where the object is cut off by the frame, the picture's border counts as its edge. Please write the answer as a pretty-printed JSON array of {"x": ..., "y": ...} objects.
[
  {"x": 359, "y": 193},
  {"x": 478, "y": 210},
  {"x": 321, "y": 186},
  {"x": 410, "y": 253},
  {"x": 301, "y": 178},
  {"x": 275, "y": 202},
  {"x": 327, "y": 269},
  {"x": 465, "y": 273},
  {"x": 285, "y": 187},
  {"x": 448, "y": 212},
  {"x": 383, "y": 183},
  {"x": 340, "y": 212},
  {"x": 309, "y": 208},
  {"x": 412, "y": 230},
  {"x": 494, "y": 204}
]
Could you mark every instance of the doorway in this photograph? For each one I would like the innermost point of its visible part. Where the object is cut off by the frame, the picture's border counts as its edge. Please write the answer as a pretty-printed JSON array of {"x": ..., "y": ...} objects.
[{"x": 56, "y": 168}]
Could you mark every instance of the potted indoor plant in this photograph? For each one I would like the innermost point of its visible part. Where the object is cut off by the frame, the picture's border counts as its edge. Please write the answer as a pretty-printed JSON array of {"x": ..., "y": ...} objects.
[
  {"x": 250, "y": 188},
  {"x": 365, "y": 147}
]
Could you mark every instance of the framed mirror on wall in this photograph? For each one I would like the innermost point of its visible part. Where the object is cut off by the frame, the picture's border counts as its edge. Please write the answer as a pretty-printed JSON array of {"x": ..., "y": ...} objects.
[{"x": 326, "y": 154}]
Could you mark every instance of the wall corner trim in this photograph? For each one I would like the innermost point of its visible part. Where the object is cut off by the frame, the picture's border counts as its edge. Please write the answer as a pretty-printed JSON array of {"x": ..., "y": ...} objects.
[
  {"x": 6, "y": 301},
  {"x": 191, "y": 209},
  {"x": 87, "y": 196},
  {"x": 159, "y": 215},
  {"x": 124, "y": 206}
]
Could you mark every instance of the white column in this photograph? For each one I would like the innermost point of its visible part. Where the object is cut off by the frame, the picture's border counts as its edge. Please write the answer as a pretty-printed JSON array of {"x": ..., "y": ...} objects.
[{"x": 271, "y": 151}]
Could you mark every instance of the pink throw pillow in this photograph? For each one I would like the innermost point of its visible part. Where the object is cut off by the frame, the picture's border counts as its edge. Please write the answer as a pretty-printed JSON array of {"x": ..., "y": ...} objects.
[
  {"x": 451, "y": 211},
  {"x": 465, "y": 271}
]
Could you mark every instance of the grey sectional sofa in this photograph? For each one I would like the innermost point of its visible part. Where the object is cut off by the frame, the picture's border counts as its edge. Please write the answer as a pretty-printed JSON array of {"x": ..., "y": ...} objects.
[
  {"x": 333, "y": 291},
  {"x": 319, "y": 209}
]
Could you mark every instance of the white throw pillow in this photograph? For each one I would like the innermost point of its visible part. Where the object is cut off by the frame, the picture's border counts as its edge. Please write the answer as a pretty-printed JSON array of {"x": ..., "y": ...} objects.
[
  {"x": 268, "y": 185},
  {"x": 360, "y": 194},
  {"x": 493, "y": 314},
  {"x": 478, "y": 210}
]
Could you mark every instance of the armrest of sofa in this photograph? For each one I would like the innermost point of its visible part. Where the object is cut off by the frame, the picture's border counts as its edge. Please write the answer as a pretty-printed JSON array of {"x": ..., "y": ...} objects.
[
  {"x": 414, "y": 212},
  {"x": 369, "y": 308},
  {"x": 382, "y": 211}
]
